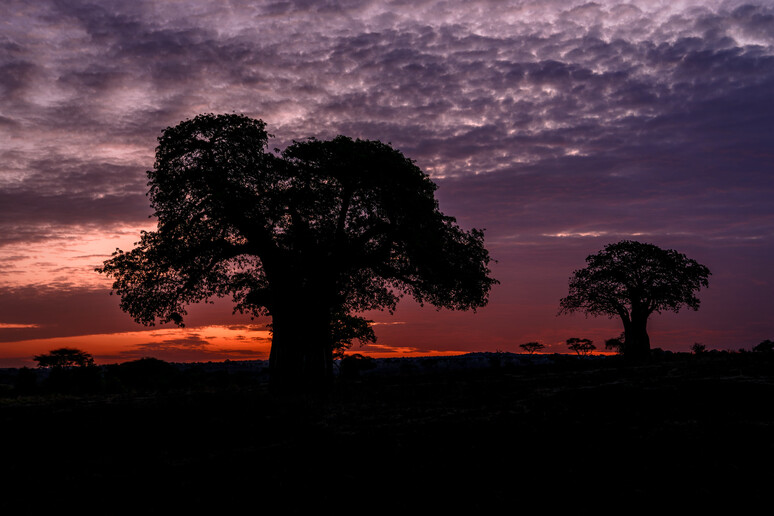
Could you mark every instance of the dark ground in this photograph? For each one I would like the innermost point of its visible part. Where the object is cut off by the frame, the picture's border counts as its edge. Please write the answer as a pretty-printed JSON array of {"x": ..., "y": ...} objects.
[{"x": 683, "y": 431}]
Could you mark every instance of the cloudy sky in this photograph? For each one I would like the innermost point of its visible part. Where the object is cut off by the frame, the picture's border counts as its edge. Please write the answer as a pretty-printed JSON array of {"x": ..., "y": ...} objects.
[{"x": 558, "y": 126}]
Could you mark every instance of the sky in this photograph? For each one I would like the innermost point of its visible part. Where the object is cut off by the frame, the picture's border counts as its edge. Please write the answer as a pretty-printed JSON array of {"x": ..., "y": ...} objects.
[{"x": 556, "y": 126}]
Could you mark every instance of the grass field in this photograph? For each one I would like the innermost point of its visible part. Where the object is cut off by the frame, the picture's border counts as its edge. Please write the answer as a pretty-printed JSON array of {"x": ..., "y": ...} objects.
[{"x": 574, "y": 434}]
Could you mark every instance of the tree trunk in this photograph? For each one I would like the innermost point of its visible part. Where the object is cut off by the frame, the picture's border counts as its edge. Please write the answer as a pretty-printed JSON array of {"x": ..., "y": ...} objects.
[
  {"x": 636, "y": 341},
  {"x": 301, "y": 358}
]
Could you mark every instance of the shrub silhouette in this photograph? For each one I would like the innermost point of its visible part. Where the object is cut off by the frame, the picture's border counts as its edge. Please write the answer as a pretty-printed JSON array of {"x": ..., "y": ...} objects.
[
  {"x": 767, "y": 346},
  {"x": 352, "y": 365},
  {"x": 144, "y": 374},
  {"x": 76, "y": 380},
  {"x": 26, "y": 381}
]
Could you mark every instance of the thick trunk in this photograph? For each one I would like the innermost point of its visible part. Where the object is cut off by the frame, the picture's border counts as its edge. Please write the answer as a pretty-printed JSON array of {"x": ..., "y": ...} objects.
[
  {"x": 301, "y": 352},
  {"x": 636, "y": 341}
]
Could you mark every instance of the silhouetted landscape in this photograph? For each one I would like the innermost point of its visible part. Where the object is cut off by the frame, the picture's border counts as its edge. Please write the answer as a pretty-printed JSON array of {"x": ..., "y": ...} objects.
[
  {"x": 312, "y": 182},
  {"x": 479, "y": 431}
]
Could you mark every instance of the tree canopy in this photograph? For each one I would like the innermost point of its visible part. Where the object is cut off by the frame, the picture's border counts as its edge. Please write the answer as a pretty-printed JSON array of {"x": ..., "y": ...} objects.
[
  {"x": 310, "y": 236},
  {"x": 532, "y": 347},
  {"x": 581, "y": 346},
  {"x": 632, "y": 280},
  {"x": 63, "y": 358}
]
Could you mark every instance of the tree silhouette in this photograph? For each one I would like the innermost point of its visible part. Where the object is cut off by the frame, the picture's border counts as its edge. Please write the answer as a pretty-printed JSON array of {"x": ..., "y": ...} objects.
[
  {"x": 631, "y": 280},
  {"x": 531, "y": 347},
  {"x": 581, "y": 346},
  {"x": 310, "y": 236},
  {"x": 64, "y": 358},
  {"x": 767, "y": 346}
]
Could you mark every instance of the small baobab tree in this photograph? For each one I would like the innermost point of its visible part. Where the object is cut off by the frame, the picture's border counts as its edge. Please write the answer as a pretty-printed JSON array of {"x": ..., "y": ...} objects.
[{"x": 632, "y": 280}]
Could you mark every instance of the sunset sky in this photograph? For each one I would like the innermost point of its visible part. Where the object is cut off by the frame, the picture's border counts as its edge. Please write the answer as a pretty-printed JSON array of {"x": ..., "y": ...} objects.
[{"x": 558, "y": 126}]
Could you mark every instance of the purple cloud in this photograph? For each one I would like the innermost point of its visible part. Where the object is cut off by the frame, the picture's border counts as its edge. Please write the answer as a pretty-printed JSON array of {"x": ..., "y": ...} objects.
[{"x": 558, "y": 126}]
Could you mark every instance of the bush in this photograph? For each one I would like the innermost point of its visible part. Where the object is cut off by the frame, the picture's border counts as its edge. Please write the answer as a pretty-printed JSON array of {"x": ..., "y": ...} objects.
[
  {"x": 77, "y": 380},
  {"x": 145, "y": 374},
  {"x": 26, "y": 381},
  {"x": 352, "y": 365}
]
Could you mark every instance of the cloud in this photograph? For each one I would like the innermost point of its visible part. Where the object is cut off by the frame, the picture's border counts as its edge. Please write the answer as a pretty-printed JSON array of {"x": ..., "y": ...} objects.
[
  {"x": 192, "y": 346},
  {"x": 535, "y": 118},
  {"x": 46, "y": 312},
  {"x": 190, "y": 341}
]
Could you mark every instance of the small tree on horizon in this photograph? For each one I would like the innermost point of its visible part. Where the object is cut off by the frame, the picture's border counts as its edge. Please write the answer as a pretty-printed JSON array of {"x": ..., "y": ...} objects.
[
  {"x": 532, "y": 347},
  {"x": 581, "y": 346},
  {"x": 632, "y": 280},
  {"x": 767, "y": 346},
  {"x": 64, "y": 358}
]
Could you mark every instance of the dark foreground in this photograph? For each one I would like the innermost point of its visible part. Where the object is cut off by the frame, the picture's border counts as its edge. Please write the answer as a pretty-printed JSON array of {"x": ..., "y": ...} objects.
[{"x": 689, "y": 432}]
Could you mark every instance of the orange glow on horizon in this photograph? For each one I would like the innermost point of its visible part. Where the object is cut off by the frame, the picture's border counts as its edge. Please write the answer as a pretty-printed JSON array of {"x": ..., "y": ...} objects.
[
  {"x": 380, "y": 351},
  {"x": 202, "y": 344},
  {"x": 198, "y": 344}
]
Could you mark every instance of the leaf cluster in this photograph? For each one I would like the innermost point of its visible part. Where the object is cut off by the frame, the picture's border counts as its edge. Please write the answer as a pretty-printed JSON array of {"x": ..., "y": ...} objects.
[{"x": 632, "y": 277}]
